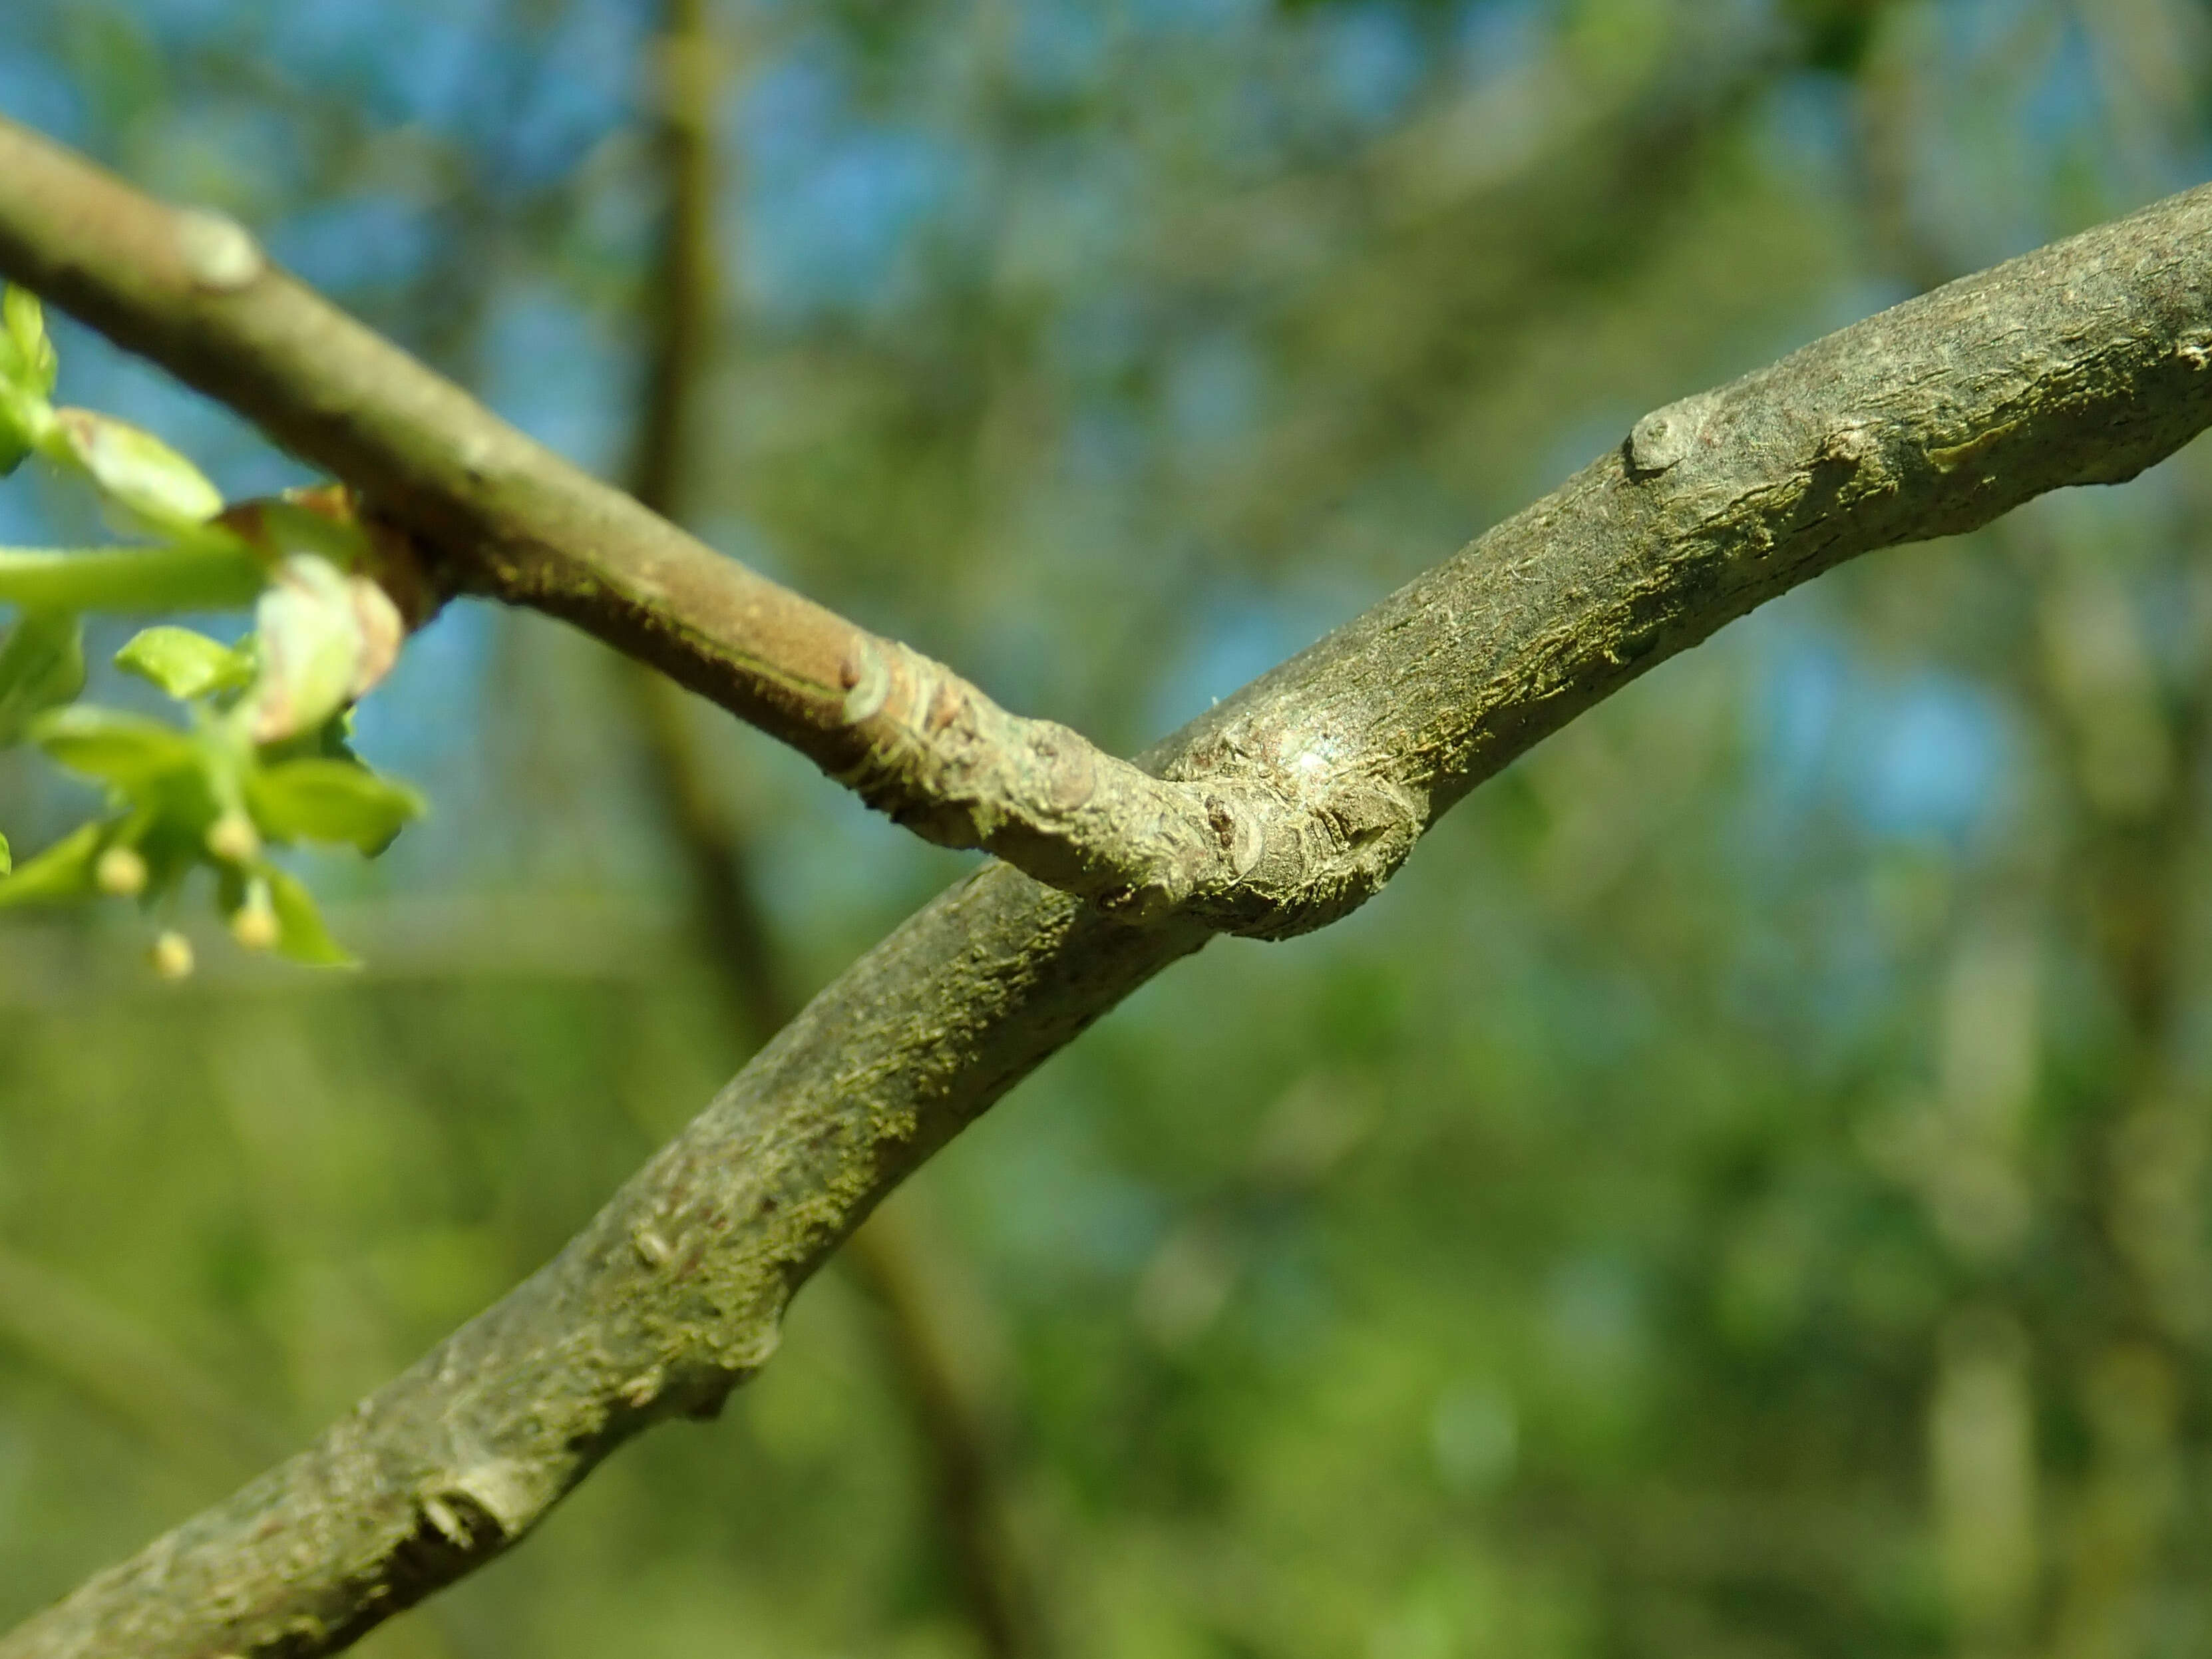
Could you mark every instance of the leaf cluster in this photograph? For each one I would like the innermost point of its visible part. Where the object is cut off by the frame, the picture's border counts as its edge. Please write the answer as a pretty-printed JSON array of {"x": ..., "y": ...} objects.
[{"x": 261, "y": 759}]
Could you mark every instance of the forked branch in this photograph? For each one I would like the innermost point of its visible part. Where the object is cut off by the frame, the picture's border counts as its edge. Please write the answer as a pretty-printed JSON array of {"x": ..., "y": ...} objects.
[
  {"x": 502, "y": 516},
  {"x": 2081, "y": 363}
]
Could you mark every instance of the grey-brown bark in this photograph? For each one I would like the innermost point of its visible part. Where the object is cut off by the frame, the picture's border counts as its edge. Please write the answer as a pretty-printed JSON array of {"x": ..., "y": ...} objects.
[{"x": 2083, "y": 362}]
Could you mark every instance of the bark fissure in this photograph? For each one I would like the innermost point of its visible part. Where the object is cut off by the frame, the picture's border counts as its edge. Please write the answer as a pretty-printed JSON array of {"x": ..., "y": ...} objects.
[{"x": 2082, "y": 363}]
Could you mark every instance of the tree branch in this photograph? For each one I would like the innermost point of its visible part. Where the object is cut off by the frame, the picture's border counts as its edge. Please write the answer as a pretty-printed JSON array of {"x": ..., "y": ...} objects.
[
  {"x": 970, "y": 1510},
  {"x": 2083, "y": 362},
  {"x": 505, "y": 517},
  {"x": 683, "y": 294}
]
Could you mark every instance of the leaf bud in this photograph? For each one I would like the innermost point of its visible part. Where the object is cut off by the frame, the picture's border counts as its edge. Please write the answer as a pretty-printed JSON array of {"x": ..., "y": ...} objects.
[
  {"x": 233, "y": 839},
  {"x": 253, "y": 924}
]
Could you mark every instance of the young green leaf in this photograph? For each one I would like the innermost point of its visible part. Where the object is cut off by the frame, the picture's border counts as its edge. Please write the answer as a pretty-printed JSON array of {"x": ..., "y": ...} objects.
[
  {"x": 300, "y": 934},
  {"x": 128, "y": 750},
  {"x": 42, "y": 667},
  {"x": 333, "y": 739},
  {"x": 63, "y": 871},
  {"x": 24, "y": 421},
  {"x": 17, "y": 439},
  {"x": 330, "y": 801},
  {"x": 26, "y": 357},
  {"x": 134, "y": 470},
  {"x": 7, "y": 862},
  {"x": 26, "y": 375},
  {"x": 185, "y": 664}
]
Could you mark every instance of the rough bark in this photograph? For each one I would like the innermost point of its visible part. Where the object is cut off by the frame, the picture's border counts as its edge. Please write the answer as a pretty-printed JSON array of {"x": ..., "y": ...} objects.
[{"x": 2080, "y": 363}]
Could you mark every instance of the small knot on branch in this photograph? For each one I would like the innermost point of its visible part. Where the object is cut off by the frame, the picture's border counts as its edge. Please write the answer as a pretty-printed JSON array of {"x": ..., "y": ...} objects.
[{"x": 219, "y": 254}]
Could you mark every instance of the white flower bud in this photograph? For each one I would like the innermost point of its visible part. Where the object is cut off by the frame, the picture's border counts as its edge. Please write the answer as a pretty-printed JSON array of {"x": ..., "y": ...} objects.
[
  {"x": 253, "y": 924},
  {"x": 172, "y": 957},
  {"x": 121, "y": 871},
  {"x": 232, "y": 839}
]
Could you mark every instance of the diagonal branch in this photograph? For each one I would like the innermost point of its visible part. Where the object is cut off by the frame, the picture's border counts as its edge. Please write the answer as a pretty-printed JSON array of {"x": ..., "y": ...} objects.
[
  {"x": 971, "y": 1509},
  {"x": 505, "y": 517},
  {"x": 2080, "y": 363}
]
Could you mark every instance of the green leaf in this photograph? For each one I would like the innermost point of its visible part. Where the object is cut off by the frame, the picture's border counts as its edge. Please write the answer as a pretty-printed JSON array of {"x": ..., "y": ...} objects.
[
  {"x": 133, "y": 468},
  {"x": 171, "y": 835},
  {"x": 62, "y": 872},
  {"x": 42, "y": 667},
  {"x": 329, "y": 801},
  {"x": 300, "y": 934},
  {"x": 7, "y": 862},
  {"x": 333, "y": 739},
  {"x": 23, "y": 421},
  {"x": 185, "y": 664},
  {"x": 128, "y": 750},
  {"x": 28, "y": 355},
  {"x": 26, "y": 376},
  {"x": 19, "y": 425}
]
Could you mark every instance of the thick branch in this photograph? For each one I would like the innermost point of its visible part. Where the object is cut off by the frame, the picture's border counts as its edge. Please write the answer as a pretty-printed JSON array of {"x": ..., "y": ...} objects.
[
  {"x": 509, "y": 519},
  {"x": 2083, "y": 362}
]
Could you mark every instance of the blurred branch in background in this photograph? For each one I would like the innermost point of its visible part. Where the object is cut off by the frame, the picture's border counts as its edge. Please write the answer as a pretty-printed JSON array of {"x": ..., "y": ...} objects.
[
  {"x": 963, "y": 1432},
  {"x": 942, "y": 1344},
  {"x": 2136, "y": 741},
  {"x": 156, "y": 1392},
  {"x": 1889, "y": 129},
  {"x": 130, "y": 1373},
  {"x": 1401, "y": 294},
  {"x": 2131, "y": 740}
]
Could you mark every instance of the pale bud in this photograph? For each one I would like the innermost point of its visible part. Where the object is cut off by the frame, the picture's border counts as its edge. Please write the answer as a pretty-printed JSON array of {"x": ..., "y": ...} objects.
[
  {"x": 309, "y": 624},
  {"x": 232, "y": 839},
  {"x": 253, "y": 924},
  {"x": 172, "y": 957},
  {"x": 121, "y": 871}
]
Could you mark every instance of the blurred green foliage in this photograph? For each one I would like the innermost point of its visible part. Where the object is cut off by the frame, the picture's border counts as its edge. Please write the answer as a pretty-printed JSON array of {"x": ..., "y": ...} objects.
[{"x": 1742, "y": 1191}]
